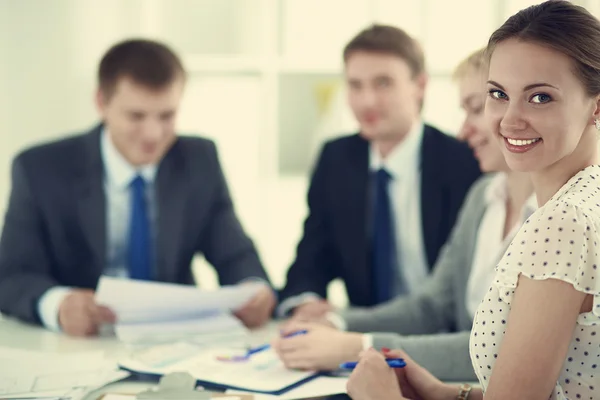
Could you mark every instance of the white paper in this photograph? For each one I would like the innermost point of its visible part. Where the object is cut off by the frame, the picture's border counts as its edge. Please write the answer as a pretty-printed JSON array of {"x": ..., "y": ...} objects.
[
  {"x": 132, "y": 397},
  {"x": 119, "y": 397},
  {"x": 162, "y": 331},
  {"x": 101, "y": 379},
  {"x": 75, "y": 393},
  {"x": 262, "y": 372},
  {"x": 321, "y": 386},
  {"x": 25, "y": 373},
  {"x": 17, "y": 359},
  {"x": 142, "y": 301},
  {"x": 154, "y": 312}
]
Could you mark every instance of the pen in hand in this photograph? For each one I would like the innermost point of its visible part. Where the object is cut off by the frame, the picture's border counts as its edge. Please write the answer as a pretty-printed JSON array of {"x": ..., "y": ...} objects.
[
  {"x": 267, "y": 346},
  {"x": 392, "y": 362}
]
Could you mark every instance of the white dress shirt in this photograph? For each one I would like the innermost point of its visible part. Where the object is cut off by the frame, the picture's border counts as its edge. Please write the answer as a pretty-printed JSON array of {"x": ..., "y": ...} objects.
[
  {"x": 403, "y": 164},
  {"x": 119, "y": 174},
  {"x": 491, "y": 245}
]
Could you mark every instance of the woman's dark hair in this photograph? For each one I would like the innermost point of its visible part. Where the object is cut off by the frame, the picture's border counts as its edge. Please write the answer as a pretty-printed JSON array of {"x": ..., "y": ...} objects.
[{"x": 564, "y": 27}]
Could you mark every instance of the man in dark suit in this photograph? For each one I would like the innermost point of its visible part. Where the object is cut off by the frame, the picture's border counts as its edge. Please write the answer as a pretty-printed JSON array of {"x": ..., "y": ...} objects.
[
  {"x": 130, "y": 198},
  {"x": 382, "y": 202}
]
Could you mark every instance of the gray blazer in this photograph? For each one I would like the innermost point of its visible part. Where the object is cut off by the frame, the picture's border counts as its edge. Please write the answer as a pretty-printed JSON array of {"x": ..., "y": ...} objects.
[
  {"x": 55, "y": 227},
  {"x": 439, "y": 306}
]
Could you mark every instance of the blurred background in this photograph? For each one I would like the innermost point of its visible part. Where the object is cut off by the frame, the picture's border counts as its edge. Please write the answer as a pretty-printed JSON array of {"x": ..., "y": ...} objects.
[{"x": 264, "y": 83}]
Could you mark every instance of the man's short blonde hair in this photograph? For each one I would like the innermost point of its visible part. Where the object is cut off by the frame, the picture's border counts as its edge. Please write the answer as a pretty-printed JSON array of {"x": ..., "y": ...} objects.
[{"x": 477, "y": 61}]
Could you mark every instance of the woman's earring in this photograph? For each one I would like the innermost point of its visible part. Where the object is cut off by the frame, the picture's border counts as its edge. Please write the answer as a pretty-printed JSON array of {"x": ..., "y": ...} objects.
[{"x": 597, "y": 123}]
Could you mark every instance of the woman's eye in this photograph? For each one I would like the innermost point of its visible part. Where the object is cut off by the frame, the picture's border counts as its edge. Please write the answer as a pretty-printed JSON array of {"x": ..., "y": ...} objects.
[
  {"x": 541, "y": 98},
  {"x": 497, "y": 94}
]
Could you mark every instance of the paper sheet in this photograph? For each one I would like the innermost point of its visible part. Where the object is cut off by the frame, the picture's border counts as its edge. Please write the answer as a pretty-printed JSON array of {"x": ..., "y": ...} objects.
[
  {"x": 24, "y": 373},
  {"x": 141, "y": 301},
  {"x": 102, "y": 378},
  {"x": 16, "y": 359},
  {"x": 158, "y": 312},
  {"x": 262, "y": 372},
  {"x": 132, "y": 397},
  {"x": 161, "y": 331}
]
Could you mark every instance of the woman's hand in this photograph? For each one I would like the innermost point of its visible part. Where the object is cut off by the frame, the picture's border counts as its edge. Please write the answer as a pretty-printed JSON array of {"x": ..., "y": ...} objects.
[
  {"x": 373, "y": 379},
  {"x": 418, "y": 383},
  {"x": 320, "y": 349}
]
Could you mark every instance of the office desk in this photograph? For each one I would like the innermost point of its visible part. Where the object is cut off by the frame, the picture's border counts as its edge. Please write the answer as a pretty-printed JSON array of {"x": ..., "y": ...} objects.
[
  {"x": 17, "y": 335},
  {"x": 22, "y": 336}
]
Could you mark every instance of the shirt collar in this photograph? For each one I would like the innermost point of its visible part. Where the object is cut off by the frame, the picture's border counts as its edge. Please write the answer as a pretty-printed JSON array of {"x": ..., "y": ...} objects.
[
  {"x": 497, "y": 191},
  {"x": 530, "y": 206},
  {"x": 118, "y": 171},
  {"x": 403, "y": 158}
]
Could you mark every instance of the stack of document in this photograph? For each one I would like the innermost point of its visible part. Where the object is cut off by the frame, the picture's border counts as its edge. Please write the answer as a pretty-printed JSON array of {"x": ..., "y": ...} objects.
[
  {"x": 28, "y": 374},
  {"x": 155, "y": 312},
  {"x": 218, "y": 367}
]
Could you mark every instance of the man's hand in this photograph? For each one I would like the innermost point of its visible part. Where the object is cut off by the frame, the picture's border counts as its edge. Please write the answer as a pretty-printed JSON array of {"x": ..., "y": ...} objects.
[
  {"x": 321, "y": 348},
  {"x": 259, "y": 309},
  {"x": 79, "y": 315},
  {"x": 312, "y": 310}
]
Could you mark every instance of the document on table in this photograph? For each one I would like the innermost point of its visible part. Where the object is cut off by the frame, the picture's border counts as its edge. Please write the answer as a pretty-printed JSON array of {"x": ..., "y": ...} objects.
[
  {"x": 25, "y": 374},
  {"x": 214, "y": 396},
  {"x": 262, "y": 372},
  {"x": 209, "y": 327},
  {"x": 318, "y": 387},
  {"x": 163, "y": 310}
]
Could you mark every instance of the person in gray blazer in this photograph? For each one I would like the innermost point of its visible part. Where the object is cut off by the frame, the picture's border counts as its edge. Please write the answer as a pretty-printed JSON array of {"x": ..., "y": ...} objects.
[
  {"x": 129, "y": 198},
  {"x": 433, "y": 325}
]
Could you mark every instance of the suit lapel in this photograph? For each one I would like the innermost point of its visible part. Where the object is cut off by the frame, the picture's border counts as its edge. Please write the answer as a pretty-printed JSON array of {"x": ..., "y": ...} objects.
[
  {"x": 432, "y": 195},
  {"x": 355, "y": 200},
  {"x": 91, "y": 203},
  {"x": 171, "y": 191}
]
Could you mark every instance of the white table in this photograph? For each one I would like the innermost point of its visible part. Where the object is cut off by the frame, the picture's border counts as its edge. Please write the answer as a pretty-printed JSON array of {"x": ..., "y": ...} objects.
[
  {"x": 21, "y": 336},
  {"x": 17, "y": 335}
]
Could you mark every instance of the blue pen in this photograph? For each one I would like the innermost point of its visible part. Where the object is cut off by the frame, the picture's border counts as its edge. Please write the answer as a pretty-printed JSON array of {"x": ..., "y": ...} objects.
[
  {"x": 392, "y": 362},
  {"x": 267, "y": 346}
]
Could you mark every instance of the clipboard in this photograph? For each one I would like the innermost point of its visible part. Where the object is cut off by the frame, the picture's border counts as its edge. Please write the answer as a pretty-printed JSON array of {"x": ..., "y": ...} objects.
[{"x": 262, "y": 373}]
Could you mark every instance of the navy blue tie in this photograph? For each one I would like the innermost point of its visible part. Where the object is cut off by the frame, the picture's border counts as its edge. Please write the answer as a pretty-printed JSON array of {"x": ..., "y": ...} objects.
[
  {"x": 139, "y": 232},
  {"x": 384, "y": 246}
]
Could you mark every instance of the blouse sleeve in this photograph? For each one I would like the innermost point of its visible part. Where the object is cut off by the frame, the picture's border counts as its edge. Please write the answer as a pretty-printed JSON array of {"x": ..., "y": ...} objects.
[{"x": 559, "y": 241}]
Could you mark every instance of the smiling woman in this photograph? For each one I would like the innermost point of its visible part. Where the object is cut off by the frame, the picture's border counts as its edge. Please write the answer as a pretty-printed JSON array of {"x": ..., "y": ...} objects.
[
  {"x": 538, "y": 111},
  {"x": 536, "y": 333},
  {"x": 543, "y": 107}
]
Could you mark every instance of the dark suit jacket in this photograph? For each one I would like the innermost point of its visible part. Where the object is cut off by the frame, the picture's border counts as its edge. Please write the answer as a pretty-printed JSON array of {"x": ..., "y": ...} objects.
[
  {"x": 336, "y": 241},
  {"x": 55, "y": 227}
]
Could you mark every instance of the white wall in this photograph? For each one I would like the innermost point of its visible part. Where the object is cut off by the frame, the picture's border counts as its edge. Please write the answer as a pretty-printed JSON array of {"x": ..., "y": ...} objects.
[
  {"x": 4, "y": 77},
  {"x": 263, "y": 115},
  {"x": 43, "y": 98}
]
